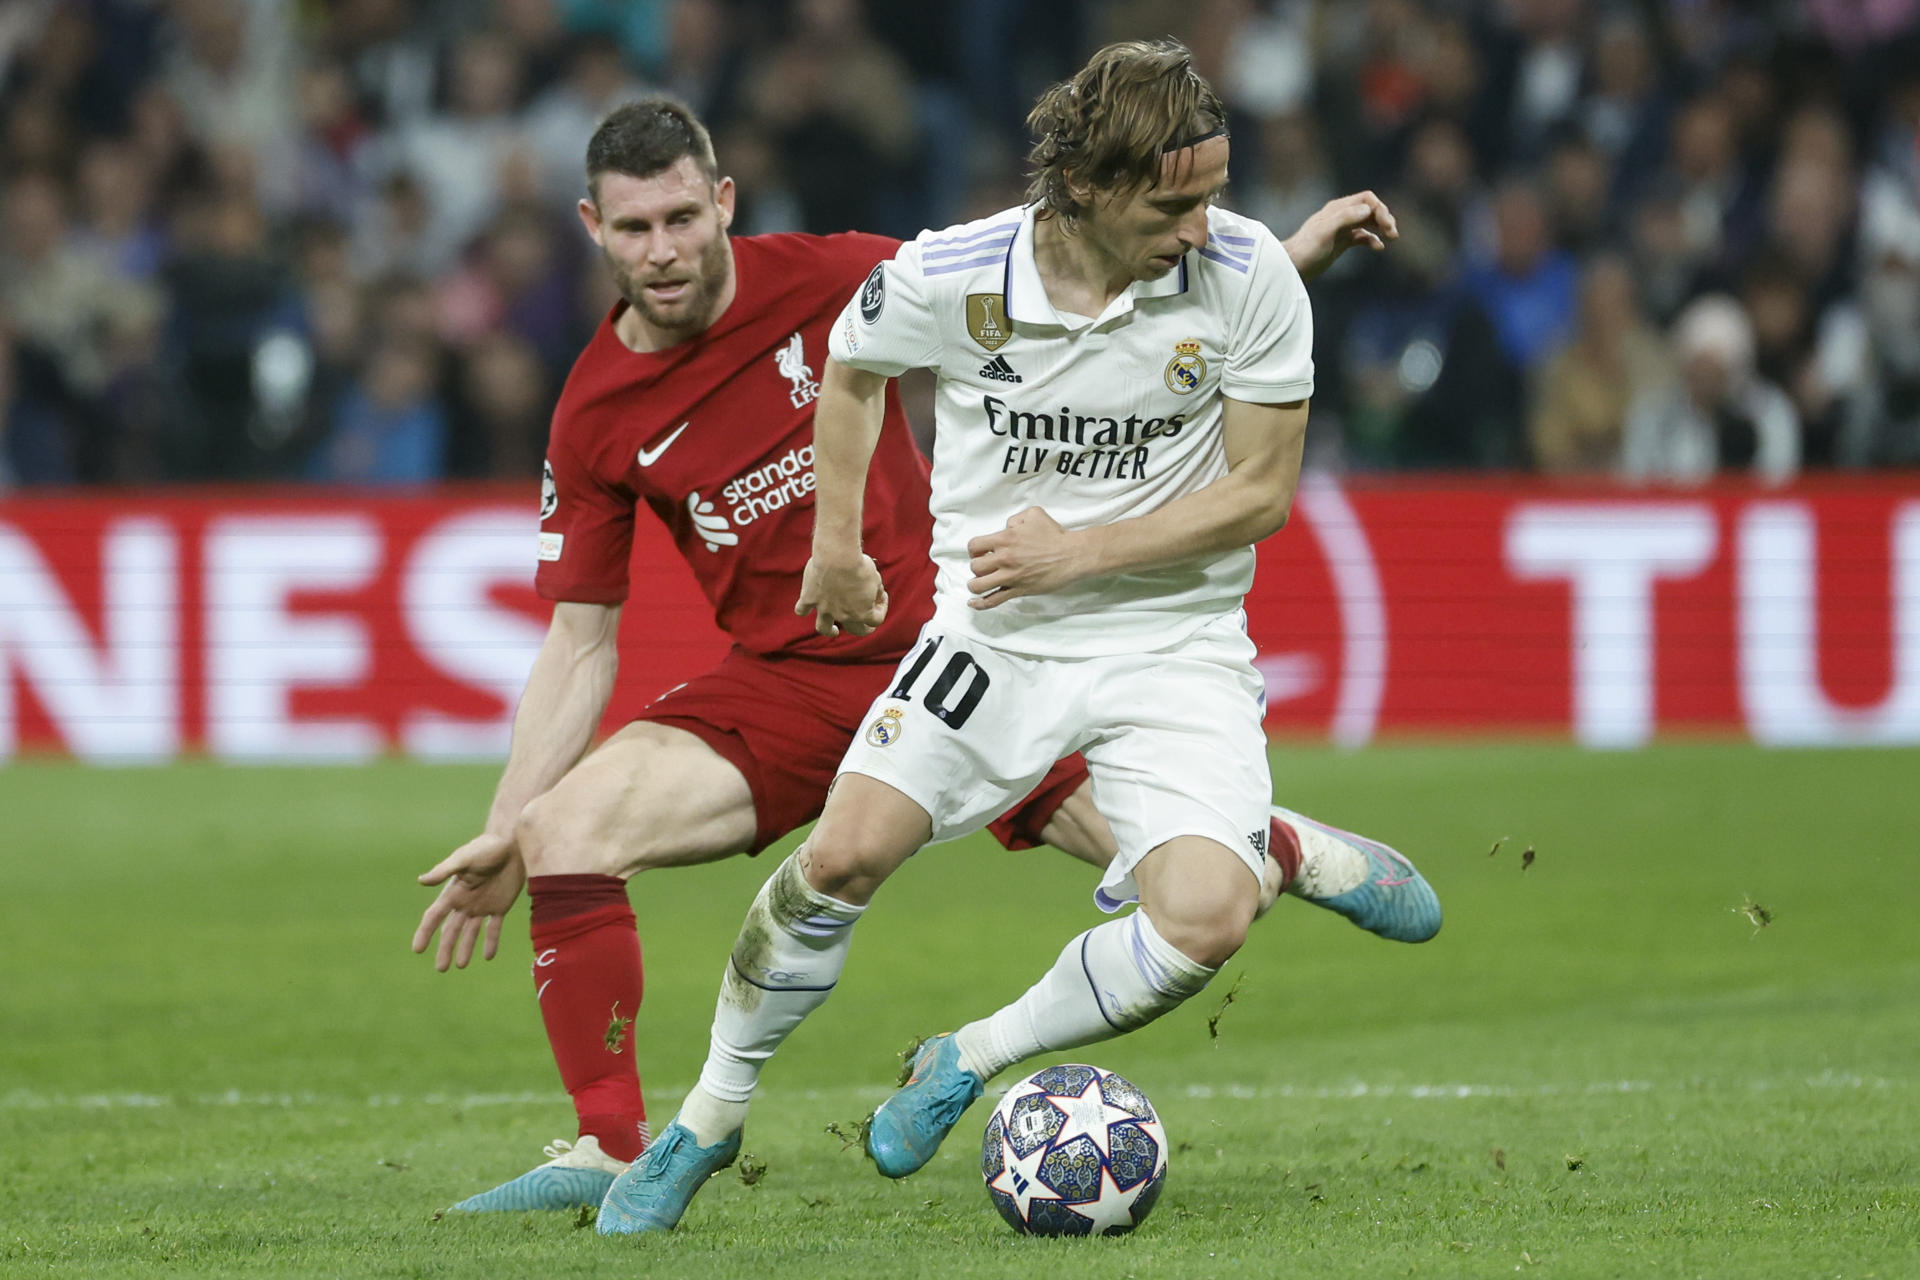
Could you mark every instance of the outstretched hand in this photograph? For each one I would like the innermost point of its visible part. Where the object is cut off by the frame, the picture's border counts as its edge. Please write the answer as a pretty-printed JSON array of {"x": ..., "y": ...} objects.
[
  {"x": 1339, "y": 225},
  {"x": 482, "y": 879}
]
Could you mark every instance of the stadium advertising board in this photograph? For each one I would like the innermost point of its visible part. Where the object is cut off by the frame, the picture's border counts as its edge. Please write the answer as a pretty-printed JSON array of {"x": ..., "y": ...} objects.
[{"x": 267, "y": 624}]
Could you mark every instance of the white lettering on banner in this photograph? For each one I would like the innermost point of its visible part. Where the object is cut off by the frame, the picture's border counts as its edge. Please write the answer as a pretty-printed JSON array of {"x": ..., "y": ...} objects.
[
  {"x": 1611, "y": 553},
  {"x": 115, "y": 701},
  {"x": 1779, "y": 628},
  {"x": 453, "y": 622},
  {"x": 257, "y": 651},
  {"x": 1343, "y": 541}
]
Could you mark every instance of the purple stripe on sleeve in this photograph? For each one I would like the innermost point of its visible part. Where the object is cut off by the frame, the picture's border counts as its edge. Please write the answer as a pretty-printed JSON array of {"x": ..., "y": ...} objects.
[
  {"x": 1208, "y": 253},
  {"x": 1222, "y": 236},
  {"x": 965, "y": 250},
  {"x": 985, "y": 233},
  {"x": 948, "y": 268}
]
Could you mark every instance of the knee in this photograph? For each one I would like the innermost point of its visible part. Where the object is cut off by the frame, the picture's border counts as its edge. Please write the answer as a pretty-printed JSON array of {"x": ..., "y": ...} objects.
[
  {"x": 1208, "y": 933},
  {"x": 851, "y": 870},
  {"x": 556, "y": 838}
]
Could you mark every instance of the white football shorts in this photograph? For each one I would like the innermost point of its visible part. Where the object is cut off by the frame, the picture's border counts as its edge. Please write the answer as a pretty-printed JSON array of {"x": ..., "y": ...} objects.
[{"x": 1173, "y": 739}]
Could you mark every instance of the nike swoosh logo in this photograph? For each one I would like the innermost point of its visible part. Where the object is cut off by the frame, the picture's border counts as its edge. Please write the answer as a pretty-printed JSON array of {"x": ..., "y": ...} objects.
[{"x": 650, "y": 456}]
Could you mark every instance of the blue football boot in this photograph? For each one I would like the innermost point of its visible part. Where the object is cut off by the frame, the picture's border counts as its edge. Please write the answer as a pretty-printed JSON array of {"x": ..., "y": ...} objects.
[
  {"x": 935, "y": 1092},
  {"x": 653, "y": 1194},
  {"x": 1363, "y": 880},
  {"x": 575, "y": 1174}
]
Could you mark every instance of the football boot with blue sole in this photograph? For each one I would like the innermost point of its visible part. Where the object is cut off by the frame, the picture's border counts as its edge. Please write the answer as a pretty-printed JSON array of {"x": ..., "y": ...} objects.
[
  {"x": 575, "y": 1174},
  {"x": 655, "y": 1192},
  {"x": 1392, "y": 898},
  {"x": 935, "y": 1092}
]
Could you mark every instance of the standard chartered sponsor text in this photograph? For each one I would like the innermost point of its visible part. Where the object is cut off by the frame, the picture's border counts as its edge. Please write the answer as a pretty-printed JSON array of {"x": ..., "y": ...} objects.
[{"x": 767, "y": 489}]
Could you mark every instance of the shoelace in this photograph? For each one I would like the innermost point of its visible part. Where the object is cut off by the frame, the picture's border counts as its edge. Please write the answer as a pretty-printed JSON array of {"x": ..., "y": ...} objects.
[
  {"x": 955, "y": 1099},
  {"x": 668, "y": 1147},
  {"x": 557, "y": 1148}
]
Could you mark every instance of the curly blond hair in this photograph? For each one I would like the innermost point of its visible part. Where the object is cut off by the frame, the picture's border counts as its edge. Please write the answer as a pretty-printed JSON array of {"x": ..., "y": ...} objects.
[{"x": 1107, "y": 128}]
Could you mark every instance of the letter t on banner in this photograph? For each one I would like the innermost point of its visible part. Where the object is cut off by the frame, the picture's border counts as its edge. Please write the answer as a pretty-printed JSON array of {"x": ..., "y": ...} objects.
[{"x": 1611, "y": 553}]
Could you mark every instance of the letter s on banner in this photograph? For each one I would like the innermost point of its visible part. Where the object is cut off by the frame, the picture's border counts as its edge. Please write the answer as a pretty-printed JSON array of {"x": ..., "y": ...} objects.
[{"x": 445, "y": 601}]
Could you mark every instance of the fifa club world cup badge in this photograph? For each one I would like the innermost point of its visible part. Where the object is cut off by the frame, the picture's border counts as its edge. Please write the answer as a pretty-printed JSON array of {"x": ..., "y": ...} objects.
[
  {"x": 886, "y": 730},
  {"x": 1186, "y": 369},
  {"x": 987, "y": 320}
]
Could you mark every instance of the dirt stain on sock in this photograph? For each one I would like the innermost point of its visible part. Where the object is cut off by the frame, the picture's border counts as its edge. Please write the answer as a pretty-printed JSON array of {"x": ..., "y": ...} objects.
[{"x": 617, "y": 1029}]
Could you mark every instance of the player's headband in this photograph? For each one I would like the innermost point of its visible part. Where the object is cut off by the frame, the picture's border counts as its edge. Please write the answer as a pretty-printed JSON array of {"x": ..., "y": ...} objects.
[{"x": 1218, "y": 131}]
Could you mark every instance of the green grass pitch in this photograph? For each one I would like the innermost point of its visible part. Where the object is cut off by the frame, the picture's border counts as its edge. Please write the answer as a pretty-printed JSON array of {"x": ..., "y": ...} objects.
[{"x": 218, "y": 1057}]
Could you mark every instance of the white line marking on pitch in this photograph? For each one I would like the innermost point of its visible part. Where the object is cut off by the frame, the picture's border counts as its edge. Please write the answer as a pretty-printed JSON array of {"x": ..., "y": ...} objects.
[{"x": 31, "y": 1100}]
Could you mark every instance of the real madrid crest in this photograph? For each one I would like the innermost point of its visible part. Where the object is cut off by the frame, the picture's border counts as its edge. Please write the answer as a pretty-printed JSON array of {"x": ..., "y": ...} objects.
[
  {"x": 886, "y": 730},
  {"x": 987, "y": 320},
  {"x": 1186, "y": 370}
]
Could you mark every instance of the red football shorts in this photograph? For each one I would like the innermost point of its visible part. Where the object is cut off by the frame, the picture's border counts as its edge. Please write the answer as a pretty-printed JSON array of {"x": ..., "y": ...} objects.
[{"x": 784, "y": 723}]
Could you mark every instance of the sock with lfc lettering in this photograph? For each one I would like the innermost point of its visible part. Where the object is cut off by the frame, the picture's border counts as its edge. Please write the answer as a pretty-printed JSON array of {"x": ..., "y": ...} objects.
[{"x": 588, "y": 980}]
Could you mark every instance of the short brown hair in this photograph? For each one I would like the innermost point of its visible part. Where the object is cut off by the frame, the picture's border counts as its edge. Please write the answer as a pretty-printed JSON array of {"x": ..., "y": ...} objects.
[
  {"x": 644, "y": 137},
  {"x": 1108, "y": 126}
]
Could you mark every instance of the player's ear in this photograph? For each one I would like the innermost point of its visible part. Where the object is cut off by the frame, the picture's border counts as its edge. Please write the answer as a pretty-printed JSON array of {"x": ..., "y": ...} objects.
[
  {"x": 589, "y": 217},
  {"x": 723, "y": 196}
]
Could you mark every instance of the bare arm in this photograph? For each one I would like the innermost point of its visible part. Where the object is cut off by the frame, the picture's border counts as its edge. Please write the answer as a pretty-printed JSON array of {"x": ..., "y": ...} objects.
[
  {"x": 566, "y": 694},
  {"x": 1033, "y": 554},
  {"x": 841, "y": 586}
]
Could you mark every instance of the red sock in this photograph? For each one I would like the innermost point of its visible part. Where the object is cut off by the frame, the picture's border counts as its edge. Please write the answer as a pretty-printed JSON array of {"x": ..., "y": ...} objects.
[
  {"x": 1283, "y": 846},
  {"x": 587, "y": 978}
]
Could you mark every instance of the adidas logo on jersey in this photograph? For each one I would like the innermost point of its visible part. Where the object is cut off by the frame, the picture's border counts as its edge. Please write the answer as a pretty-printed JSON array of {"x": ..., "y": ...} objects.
[{"x": 999, "y": 370}]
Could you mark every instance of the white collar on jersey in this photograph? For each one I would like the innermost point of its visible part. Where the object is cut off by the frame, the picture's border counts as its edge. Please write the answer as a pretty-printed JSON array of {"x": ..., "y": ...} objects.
[{"x": 1026, "y": 297}]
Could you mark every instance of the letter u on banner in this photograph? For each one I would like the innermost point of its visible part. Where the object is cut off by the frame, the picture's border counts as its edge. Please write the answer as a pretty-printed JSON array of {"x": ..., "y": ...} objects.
[{"x": 1779, "y": 628}]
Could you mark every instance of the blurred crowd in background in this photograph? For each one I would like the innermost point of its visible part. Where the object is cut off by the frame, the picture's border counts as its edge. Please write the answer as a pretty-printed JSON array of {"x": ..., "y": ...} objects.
[{"x": 334, "y": 240}]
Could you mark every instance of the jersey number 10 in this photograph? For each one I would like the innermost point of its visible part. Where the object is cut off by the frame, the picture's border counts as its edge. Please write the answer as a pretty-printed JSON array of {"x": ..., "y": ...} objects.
[{"x": 960, "y": 666}]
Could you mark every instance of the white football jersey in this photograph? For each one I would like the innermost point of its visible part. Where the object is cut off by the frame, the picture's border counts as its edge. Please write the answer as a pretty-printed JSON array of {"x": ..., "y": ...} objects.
[{"x": 1094, "y": 420}]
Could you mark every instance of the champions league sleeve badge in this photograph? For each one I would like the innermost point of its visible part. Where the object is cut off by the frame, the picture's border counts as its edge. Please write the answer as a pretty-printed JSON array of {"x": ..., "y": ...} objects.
[
  {"x": 549, "y": 492},
  {"x": 886, "y": 728},
  {"x": 1186, "y": 370},
  {"x": 873, "y": 294}
]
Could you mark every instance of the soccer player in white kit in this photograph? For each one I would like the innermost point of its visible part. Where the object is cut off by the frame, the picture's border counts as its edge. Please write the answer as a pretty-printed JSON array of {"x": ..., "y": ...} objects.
[{"x": 1123, "y": 375}]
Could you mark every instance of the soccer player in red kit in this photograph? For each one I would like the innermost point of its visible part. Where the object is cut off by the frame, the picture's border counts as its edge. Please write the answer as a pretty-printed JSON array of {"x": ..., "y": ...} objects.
[{"x": 695, "y": 397}]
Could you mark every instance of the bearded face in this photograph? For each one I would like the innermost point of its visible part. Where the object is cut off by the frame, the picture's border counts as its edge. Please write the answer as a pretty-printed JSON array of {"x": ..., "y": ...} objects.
[
  {"x": 664, "y": 238},
  {"x": 680, "y": 296}
]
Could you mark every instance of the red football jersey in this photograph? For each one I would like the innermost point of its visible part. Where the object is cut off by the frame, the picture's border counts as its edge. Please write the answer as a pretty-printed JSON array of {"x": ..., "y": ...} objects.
[{"x": 716, "y": 435}]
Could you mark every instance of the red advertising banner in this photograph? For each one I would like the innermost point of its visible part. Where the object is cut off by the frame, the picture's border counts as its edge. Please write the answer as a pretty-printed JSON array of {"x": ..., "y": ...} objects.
[{"x": 269, "y": 624}]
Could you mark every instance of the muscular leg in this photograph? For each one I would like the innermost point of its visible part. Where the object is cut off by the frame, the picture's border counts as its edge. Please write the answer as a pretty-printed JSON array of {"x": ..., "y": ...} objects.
[
  {"x": 652, "y": 796},
  {"x": 1078, "y": 829},
  {"x": 1196, "y": 900},
  {"x": 794, "y": 942}
]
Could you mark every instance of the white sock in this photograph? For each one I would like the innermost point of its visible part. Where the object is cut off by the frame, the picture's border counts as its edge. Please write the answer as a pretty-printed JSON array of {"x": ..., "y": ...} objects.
[
  {"x": 1329, "y": 866},
  {"x": 1112, "y": 979},
  {"x": 708, "y": 1118},
  {"x": 786, "y": 961}
]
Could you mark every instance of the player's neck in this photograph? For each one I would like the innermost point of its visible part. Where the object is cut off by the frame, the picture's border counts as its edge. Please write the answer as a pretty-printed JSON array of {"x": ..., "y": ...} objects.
[
  {"x": 1080, "y": 276},
  {"x": 639, "y": 336}
]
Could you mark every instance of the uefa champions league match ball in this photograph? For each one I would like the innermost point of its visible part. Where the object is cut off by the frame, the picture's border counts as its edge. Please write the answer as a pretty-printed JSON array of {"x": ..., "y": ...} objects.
[{"x": 1074, "y": 1150}]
